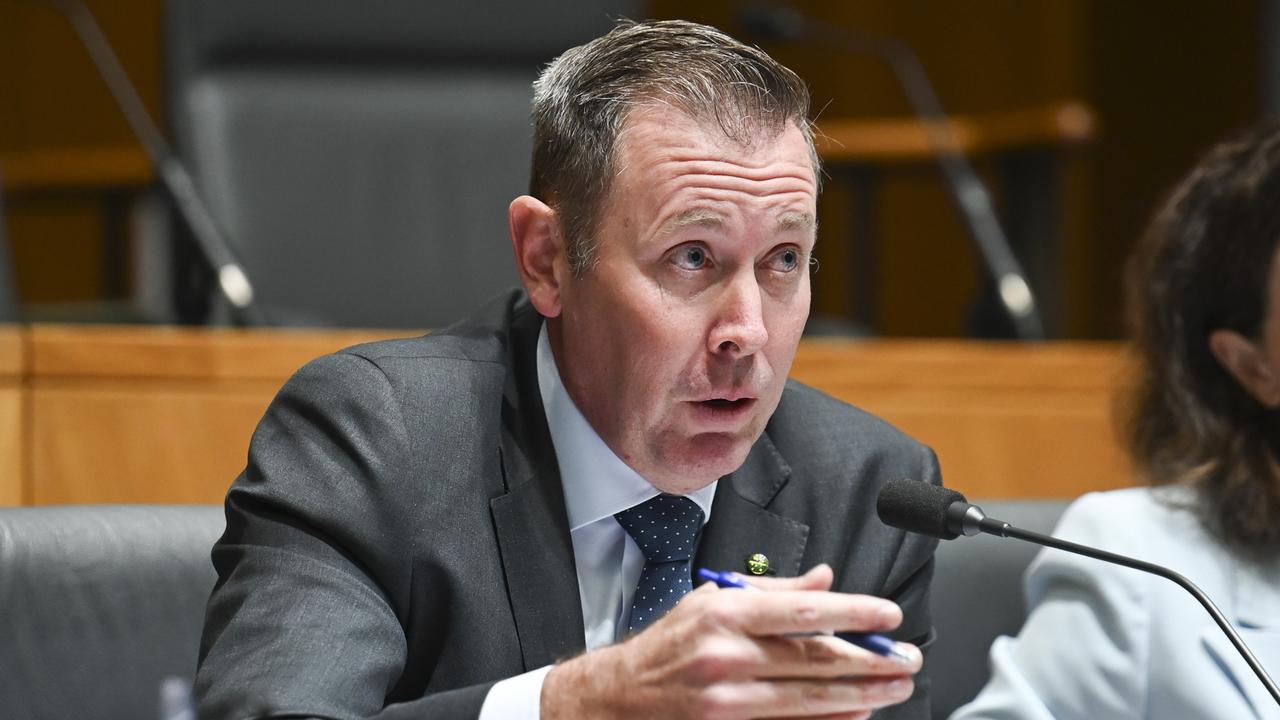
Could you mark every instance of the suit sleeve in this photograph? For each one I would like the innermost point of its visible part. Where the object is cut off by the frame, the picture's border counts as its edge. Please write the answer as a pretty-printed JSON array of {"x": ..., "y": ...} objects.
[
  {"x": 306, "y": 617},
  {"x": 1082, "y": 653},
  {"x": 909, "y": 586}
]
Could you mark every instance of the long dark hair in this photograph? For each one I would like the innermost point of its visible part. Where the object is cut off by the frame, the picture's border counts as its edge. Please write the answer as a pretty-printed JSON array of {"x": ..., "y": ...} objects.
[{"x": 1204, "y": 264}]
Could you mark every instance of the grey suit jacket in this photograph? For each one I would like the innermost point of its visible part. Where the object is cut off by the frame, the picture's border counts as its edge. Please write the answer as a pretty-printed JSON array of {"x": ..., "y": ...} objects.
[{"x": 398, "y": 541}]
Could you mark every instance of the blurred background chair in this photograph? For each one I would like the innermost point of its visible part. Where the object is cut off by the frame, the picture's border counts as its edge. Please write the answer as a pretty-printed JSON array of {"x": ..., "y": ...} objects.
[
  {"x": 76, "y": 173},
  {"x": 100, "y": 603},
  {"x": 977, "y": 597},
  {"x": 8, "y": 291},
  {"x": 361, "y": 156}
]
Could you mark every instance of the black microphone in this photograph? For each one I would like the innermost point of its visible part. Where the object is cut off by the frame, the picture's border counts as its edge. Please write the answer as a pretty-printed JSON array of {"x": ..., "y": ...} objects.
[
  {"x": 775, "y": 22},
  {"x": 927, "y": 509},
  {"x": 233, "y": 282}
]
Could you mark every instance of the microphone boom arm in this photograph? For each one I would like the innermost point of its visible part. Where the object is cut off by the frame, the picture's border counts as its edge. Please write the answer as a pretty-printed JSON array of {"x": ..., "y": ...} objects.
[
  {"x": 943, "y": 513},
  {"x": 232, "y": 281},
  {"x": 967, "y": 190},
  {"x": 973, "y": 521}
]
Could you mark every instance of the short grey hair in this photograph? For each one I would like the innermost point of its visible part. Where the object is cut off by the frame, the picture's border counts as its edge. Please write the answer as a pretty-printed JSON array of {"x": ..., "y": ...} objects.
[{"x": 583, "y": 98}]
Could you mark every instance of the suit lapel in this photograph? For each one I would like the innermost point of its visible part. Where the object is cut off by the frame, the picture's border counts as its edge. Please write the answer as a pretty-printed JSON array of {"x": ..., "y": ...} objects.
[
  {"x": 530, "y": 519},
  {"x": 740, "y": 526},
  {"x": 1256, "y": 595},
  {"x": 1263, "y": 643}
]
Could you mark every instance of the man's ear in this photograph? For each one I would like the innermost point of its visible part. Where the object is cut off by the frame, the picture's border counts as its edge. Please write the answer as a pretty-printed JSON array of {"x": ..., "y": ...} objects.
[
  {"x": 538, "y": 243},
  {"x": 1247, "y": 364}
]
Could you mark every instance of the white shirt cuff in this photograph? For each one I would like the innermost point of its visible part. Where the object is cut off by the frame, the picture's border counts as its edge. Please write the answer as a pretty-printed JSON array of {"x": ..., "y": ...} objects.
[{"x": 517, "y": 698}]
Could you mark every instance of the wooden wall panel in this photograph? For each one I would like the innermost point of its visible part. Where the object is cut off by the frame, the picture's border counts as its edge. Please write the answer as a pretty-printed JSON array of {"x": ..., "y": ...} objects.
[
  {"x": 165, "y": 414},
  {"x": 132, "y": 443},
  {"x": 11, "y": 465},
  {"x": 180, "y": 353},
  {"x": 12, "y": 461},
  {"x": 1006, "y": 420},
  {"x": 146, "y": 414}
]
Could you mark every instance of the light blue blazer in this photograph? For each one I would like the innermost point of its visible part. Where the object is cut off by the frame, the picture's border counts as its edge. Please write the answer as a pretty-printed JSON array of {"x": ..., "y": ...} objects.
[{"x": 1104, "y": 641}]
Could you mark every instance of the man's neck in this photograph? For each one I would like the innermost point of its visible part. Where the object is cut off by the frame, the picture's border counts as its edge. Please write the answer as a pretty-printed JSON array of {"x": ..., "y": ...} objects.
[{"x": 596, "y": 482}]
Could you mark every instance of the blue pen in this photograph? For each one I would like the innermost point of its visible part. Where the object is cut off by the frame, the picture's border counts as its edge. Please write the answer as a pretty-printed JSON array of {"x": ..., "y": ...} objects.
[{"x": 875, "y": 642}]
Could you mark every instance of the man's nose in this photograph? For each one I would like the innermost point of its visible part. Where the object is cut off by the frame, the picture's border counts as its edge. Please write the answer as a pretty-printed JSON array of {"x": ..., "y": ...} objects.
[{"x": 739, "y": 329}]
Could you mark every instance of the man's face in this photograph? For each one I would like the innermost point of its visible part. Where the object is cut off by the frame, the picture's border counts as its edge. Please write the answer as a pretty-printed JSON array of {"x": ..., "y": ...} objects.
[{"x": 677, "y": 342}]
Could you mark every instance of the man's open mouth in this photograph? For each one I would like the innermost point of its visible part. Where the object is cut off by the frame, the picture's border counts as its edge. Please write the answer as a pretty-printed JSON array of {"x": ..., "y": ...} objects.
[{"x": 723, "y": 404}]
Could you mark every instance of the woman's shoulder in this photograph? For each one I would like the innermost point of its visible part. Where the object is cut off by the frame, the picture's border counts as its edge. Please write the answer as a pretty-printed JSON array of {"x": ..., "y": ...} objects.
[
  {"x": 1159, "y": 525},
  {"x": 1133, "y": 517}
]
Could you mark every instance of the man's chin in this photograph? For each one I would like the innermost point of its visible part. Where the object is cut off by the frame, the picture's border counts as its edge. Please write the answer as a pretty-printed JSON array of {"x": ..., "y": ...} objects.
[{"x": 700, "y": 461}]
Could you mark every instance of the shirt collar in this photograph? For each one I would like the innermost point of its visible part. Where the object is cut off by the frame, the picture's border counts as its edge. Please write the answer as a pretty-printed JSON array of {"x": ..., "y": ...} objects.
[{"x": 596, "y": 482}]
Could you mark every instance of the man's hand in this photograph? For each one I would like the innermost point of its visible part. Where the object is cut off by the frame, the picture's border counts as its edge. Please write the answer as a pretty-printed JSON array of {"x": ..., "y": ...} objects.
[{"x": 739, "y": 654}]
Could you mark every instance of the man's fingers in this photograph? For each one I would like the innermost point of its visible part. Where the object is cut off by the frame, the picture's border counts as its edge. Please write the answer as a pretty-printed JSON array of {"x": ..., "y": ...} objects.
[
  {"x": 829, "y": 657},
  {"x": 811, "y": 657},
  {"x": 792, "y": 612},
  {"x": 859, "y": 715},
  {"x": 807, "y": 699}
]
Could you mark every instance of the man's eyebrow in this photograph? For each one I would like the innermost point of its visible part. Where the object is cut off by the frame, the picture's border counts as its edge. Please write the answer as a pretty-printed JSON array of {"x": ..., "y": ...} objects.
[
  {"x": 793, "y": 221},
  {"x": 691, "y": 218},
  {"x": 789, "y": 222}
]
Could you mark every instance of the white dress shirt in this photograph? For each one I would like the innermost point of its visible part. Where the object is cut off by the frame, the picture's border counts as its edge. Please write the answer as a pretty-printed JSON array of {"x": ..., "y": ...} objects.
[{"x": 596, "y": 485}]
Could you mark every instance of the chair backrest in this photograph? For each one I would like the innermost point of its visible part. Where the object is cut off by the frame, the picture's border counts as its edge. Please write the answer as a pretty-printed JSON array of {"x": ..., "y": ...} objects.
[
  {"x": 361, "y": 156},
  {"x": 977, "y": 597},
  {"x": 8, "y": 288},
  {"x": 98, "y": 604}
]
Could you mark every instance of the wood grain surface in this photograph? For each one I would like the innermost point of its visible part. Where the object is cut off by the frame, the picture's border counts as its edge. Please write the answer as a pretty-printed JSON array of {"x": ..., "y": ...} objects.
[{"x": 100, "y": 414}]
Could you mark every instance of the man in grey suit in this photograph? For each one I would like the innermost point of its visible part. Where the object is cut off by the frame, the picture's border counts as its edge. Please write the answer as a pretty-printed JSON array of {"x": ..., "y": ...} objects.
[{"x": 499, "y": 520}]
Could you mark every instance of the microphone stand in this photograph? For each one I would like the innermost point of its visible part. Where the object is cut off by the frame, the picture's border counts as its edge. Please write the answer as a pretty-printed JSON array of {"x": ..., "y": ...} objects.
[
  {"x": 232, "y": 281},
  {"x": 967, "y": 190},
  {"x": 970, "y": 520}
]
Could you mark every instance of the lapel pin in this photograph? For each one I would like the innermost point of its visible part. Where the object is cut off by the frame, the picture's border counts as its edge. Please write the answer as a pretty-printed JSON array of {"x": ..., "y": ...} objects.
[{"x": 758, "y": 564}]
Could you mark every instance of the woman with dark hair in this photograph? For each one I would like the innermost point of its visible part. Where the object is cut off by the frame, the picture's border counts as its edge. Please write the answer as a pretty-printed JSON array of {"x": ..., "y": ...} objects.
[{"x": 1102, "y": 641}]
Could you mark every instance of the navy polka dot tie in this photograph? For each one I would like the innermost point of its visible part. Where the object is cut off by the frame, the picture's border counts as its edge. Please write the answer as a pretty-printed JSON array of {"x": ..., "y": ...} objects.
[{"x": 666, "y": 529}]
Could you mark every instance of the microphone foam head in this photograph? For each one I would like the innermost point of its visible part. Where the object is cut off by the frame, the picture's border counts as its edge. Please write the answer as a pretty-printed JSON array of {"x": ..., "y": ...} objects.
[{"x": 918, "y": 507}]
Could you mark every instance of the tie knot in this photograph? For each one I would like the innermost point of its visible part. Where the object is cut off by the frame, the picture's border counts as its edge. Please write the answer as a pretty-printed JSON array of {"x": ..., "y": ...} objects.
[{"x": 665, "y": 527}]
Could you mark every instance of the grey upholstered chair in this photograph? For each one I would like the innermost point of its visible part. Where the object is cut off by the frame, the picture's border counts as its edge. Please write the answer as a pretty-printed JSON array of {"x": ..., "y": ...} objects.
[
  {"x": 977, "y": 597},
  {"x": 98, "y": 604},
  {"x": 8, "y": 288},
  {"x": 360, "y": 156}
]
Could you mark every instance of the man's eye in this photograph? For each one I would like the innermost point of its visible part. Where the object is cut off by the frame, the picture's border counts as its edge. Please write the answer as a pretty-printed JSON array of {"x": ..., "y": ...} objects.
[
  {"x": 690, "y": 257},
  {"x": 787, "y": 260}
]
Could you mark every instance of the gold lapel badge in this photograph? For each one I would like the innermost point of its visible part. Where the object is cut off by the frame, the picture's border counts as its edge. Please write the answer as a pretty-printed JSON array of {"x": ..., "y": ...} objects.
[{"x": 758, "y": 564}]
